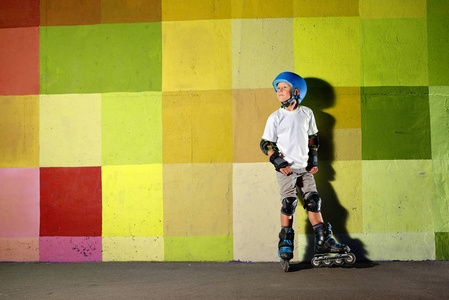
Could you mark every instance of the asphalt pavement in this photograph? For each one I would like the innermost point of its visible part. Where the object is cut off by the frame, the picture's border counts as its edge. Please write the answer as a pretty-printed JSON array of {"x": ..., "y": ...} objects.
[{"x": 227, "y": 280}]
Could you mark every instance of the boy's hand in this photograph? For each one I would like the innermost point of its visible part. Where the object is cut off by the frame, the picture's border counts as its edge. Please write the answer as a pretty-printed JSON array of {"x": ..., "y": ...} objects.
[
  {"x": 313, "y": 170},
  {"x": 286, "y": 171}
]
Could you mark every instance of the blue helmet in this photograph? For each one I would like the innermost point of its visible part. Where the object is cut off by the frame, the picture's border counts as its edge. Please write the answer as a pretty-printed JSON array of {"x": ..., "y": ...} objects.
[{"x": 296, "y": 82}]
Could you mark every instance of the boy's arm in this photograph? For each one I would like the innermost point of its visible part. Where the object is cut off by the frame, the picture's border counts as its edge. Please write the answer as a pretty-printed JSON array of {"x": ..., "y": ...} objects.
[
  {"x": 271, "y": 150},
  {"x": 314, "y": 144}
]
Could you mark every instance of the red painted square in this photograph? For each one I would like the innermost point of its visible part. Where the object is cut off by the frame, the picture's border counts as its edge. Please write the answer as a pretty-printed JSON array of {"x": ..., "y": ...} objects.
[
  {"x": 70, "y": 201},
  {"x": 19, "y": 61},
  {"x": 23, "y": 13}
]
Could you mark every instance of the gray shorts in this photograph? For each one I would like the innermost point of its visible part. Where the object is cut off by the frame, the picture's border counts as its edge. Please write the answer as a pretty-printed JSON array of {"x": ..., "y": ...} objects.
[{"x": 300, "y": 180}]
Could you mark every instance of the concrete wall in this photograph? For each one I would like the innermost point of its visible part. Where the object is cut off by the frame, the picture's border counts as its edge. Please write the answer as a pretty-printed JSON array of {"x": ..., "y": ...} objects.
[{"x": 129, "y": 130}]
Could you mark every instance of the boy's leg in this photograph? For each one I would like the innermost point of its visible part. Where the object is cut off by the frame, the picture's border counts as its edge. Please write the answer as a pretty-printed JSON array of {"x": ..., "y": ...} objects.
[
  {"x": 287, "y": 190},
  {"x": 315, "y": 218},
  {"x": 286, "y": 221},
  {"x": 307, "y": 189},
  {"x": 324, "y": 242},
  {"x": 289, "y": 199}
]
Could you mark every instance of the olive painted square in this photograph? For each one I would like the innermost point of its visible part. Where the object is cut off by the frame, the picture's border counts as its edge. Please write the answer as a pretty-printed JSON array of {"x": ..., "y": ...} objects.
[
  {"x": 395, "y": 123},
  {"x": 442, "y": 245},
  {"x": 438, "y": 49}
]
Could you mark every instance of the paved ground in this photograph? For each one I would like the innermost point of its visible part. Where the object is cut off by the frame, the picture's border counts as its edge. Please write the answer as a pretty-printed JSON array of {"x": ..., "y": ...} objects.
[{"x": 233, "y": 280}]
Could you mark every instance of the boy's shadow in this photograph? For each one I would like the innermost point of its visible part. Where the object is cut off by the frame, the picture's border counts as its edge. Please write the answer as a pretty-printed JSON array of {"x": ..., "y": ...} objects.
[{"x": 320, "y": 96}]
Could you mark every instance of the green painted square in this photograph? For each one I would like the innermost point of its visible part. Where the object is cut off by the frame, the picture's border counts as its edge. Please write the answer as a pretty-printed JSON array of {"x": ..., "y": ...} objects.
[
  {"x": 394, "y": 52},
  {"x": 131, "y": 126},
  {"x": 397, "y": 196},
  {"x": 199, "y": 248},
  {"x": 101, "y": 58},
  {"x": 437, "y": 8},
  {"x": 442, "y": 245},
  {"x": 395, "y": 123},
  {"x": 440, "y": 192},
  {"x": 439, "y": 121},
  {"x": 438, "y": 44}
]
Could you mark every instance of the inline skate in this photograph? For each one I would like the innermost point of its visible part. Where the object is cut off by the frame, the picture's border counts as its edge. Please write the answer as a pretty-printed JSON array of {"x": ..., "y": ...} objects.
[
  {"x": 325, "y": 244},
  {"x": 286, "y": 239}
]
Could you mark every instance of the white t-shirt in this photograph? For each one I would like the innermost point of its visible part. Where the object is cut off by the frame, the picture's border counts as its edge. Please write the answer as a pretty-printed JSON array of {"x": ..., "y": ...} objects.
[{"x": 290, "y": 131}]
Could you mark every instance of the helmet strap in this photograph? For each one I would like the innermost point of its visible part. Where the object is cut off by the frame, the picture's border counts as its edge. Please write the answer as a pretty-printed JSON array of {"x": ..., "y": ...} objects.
[{"x": 287, "y": 103}]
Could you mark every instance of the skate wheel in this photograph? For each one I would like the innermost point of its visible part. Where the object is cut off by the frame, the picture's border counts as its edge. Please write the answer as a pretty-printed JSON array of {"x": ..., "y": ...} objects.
[
  {"x": 327, "y": 263},
  {"x": 339, "y": 262},
  {"x": 351, "y": 258},
  {"x": 285, "y": 264},
  {"x": 315, "y": 262}
]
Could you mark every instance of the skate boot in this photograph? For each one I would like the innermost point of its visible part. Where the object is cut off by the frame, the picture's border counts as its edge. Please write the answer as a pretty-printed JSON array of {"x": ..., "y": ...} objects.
[
  {"x": 325, "y": 243},
  {"x": 286, "y": 238}
]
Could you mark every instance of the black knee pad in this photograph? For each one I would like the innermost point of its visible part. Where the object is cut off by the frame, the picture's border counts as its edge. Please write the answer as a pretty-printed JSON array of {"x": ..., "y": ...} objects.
[
  {"x": 289, "y": 206},
  {"x": 313, "y": 202}
]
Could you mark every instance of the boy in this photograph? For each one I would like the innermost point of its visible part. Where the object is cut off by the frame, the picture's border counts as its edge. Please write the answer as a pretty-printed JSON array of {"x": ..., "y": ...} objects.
[{"x": 291, "y": 142}]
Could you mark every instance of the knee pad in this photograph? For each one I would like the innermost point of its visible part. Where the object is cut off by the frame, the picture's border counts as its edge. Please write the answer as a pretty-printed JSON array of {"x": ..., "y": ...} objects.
[
  {"x": 289, "y": 206},
  {"x": 313, "y": 202}
]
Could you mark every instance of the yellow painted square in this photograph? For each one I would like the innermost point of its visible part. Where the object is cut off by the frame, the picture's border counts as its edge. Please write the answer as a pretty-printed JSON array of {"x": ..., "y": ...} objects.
[
  {"x": 325, "y": 8},
  {"x": 133, "y": 248},
  {"x": 132, "y": 201},
  {"x": 261, "y": 9},
  {"x": 334, "y": 107},
  {"x": 339, "y": 184},
  {"x": 19, "y": 131},
  {"x": 197, "y": 126},
  {"x": 197, "y": 200},
  {"x": 346, "y": 110},
  {"x": 70, "y": 130},
  {"x": 260, "y": 52},
  {"x": 347, "y": 144},
  {"x": 197, "y": 55},
  {"x": 328, "y": 48},
  {"x": 393, "y": 9},
  {"x": 180, "y": 10}
]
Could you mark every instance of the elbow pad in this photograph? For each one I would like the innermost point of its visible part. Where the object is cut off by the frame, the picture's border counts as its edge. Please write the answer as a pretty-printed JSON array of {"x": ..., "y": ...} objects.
[
  {"x": 266, "y": 146},
  {"x": 314, "y": 142},
  {"x": 278, "y": 161}
]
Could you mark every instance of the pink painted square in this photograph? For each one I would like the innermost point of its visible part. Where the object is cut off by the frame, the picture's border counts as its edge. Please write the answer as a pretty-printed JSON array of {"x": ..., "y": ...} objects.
[
  {"x": 19, "y": 202},
  {"x": 70, "y": 249}
]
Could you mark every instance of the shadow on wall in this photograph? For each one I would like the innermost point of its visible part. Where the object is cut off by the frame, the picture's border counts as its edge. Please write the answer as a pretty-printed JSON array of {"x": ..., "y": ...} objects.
[{"x": 321, "y": 96}]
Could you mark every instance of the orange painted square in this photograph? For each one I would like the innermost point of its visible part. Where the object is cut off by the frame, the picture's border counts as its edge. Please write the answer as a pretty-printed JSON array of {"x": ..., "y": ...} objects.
[
  {"x": 70, "y": 12},
  {"x": 19, "y": 61},
  {"x": 19, "y": 131},
  {"x": 251, "y": 109},
  {"x": 131, "y": 11}
]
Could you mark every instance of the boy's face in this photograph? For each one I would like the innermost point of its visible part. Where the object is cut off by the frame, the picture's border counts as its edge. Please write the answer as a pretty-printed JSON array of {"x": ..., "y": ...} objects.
[{"x": 284, "y": 92}]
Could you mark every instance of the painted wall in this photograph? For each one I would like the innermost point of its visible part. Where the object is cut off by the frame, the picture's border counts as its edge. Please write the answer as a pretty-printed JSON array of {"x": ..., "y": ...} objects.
[{"x": 130, "y": 129}]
